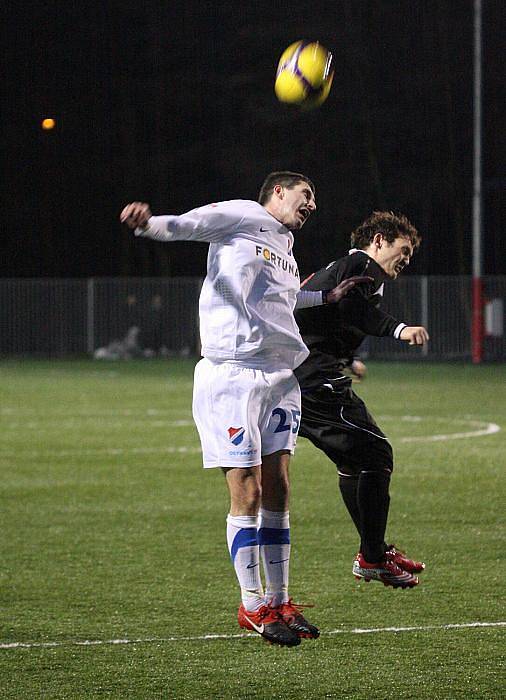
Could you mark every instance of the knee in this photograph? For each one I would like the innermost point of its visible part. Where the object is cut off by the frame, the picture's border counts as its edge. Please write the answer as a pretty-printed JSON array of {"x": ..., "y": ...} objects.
[
  {"x": 275, "y": 481},
  {"x": 381, "y": 458},
  {"x": 245, "y": 491},
  {"x": 276, "y": 491},
  {"x": 376, "y": 457},
  {"x": 282, "y": 483},
  {"x": 249, "y": 493},
  {"x": 252, "y": 496},
  {"x": 389, "y": 458}
]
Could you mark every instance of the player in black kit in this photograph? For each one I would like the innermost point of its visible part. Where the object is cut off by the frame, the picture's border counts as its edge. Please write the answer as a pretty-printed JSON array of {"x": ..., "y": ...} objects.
[{"x": 334, "y": 418}]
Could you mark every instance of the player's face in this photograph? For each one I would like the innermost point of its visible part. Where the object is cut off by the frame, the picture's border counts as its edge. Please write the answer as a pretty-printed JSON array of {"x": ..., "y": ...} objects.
[
  {"x": 296, "y": 205},
  {"x": 393, "y": 257}
]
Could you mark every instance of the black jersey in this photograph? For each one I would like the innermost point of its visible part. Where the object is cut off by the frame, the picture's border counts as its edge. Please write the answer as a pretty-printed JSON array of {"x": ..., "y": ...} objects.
[{"x": 333, "y": 332}]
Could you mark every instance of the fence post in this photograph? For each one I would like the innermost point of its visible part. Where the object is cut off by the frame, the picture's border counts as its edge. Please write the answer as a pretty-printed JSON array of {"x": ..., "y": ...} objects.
[
  {"x": 90, "y": 316},
  {"x": 424, "y": 308}
]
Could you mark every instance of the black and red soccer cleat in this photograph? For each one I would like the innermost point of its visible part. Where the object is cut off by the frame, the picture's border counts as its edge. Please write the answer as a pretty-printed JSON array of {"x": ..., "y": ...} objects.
[
  {"x": 387, "y": 571},
  {"x": 293, "y": 618},
  {"x": 269, "y": 624},
  {"x": 402, "y": 560}
]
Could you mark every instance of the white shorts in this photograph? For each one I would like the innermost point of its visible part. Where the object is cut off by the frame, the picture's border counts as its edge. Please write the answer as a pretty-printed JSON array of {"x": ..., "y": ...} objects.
[{"x": 243, "y": 413}]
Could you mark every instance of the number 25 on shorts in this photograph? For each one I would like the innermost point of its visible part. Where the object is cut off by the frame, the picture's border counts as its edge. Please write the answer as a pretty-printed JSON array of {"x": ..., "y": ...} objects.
[{"x": 285, "y": 421}]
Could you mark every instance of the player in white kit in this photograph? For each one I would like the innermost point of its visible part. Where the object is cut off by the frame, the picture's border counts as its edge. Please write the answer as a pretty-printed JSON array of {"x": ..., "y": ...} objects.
[{"x": 246, "y": 400}]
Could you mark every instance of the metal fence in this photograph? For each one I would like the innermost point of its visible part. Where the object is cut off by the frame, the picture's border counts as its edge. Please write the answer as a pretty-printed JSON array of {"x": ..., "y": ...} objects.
[
  {"x": 58, "y": 318},
  {"x": 443, "y": 304}
]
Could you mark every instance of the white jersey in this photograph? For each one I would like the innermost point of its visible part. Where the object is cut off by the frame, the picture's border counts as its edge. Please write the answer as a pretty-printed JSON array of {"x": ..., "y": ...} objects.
[{"x": 250, "y": 291}]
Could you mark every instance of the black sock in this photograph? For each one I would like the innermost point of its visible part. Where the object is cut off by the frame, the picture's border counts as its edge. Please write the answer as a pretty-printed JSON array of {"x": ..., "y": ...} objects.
[
  {"x": 348, "y": 485},
  {"x": 373, "y": 502}
]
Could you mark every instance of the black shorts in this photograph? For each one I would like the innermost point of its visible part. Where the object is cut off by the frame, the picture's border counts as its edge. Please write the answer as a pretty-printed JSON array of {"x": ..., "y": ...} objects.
[{"x": 337, "y": 421}]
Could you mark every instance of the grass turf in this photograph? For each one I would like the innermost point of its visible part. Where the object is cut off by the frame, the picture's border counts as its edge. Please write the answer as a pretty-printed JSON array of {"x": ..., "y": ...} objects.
[{"x": 111, "y": 530}]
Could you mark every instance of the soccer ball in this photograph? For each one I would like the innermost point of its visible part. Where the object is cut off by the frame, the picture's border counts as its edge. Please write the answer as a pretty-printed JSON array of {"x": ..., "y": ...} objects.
[{"x": 304, "y": 75}]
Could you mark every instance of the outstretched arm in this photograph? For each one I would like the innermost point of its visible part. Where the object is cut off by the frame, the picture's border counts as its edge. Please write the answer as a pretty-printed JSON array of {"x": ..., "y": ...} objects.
[
  {"x": 334, "y": 295},
  {"x": 306, "y": 297}
]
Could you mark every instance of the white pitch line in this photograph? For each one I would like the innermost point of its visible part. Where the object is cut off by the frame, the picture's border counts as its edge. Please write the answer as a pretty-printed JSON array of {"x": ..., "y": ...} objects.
[
  {"x": 489, "y": 429},
  {"x": 211, "y": 637},
  {"x": 91, "y": 412},
  {"x": 41, "y": 427},
  {"x": 423, "y": 628},
  {"x": 483, "y": 429},
  {"x": 96, "y": 452}
]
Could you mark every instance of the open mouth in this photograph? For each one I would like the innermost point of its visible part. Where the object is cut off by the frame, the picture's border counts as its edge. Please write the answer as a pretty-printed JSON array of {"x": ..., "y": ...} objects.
[
  {"x": 399, "y": 268},
  {"x": 303, "y": 214}
]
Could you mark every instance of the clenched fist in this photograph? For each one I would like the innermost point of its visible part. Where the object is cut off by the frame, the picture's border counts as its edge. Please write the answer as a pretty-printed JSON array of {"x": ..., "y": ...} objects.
[
  {"x": 136, "y": 215},
  {"x": 414, "y": 335}
]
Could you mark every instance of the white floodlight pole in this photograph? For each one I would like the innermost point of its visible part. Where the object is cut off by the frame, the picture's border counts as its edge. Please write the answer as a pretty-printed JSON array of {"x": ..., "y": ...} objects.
[{"x": 477, "y": 321}]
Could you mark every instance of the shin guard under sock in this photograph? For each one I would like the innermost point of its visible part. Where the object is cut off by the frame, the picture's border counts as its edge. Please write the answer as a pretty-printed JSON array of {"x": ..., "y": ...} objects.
[
  {"x": 242, "y": 539},
  {"x": 274, "y": 541}
]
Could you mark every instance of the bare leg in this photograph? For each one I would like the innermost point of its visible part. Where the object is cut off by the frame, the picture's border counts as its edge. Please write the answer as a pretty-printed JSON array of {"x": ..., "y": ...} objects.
[
  {"x": 275, "y": 481},
  {"x": 245, "y": 487}
]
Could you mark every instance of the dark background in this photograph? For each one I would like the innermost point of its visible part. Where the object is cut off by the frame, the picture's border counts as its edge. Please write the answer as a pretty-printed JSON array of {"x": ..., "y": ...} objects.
[{"x": 172, "y": 103}]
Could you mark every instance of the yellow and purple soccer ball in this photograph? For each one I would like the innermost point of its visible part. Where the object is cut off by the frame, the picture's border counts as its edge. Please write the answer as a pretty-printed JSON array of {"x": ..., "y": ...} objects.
[{"x": 304, "y": 75}]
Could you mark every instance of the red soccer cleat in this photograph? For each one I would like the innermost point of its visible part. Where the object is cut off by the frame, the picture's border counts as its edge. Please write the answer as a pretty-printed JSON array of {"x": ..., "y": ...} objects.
[
  {"x": 386, "y": 571},
  {"x": 400, "y": 558},
  {"x": 269, "y": 624},
  {"x": 292, "y": 617}
]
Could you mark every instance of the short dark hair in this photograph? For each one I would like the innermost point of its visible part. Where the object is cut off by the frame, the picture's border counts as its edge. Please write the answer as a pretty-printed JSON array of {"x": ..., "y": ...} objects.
[
  {"x": 282, "y": 177},
  {"x": 389, "y": 224}
]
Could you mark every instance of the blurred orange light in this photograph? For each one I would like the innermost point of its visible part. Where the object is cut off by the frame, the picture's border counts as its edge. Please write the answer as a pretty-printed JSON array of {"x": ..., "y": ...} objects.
[{"x": 48, "y": 124}]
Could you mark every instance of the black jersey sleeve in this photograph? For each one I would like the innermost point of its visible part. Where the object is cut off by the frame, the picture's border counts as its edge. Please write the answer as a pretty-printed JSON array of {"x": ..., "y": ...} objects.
[
  {"x": 367, "y": 317},
  {"x": 360, "y": 307}
]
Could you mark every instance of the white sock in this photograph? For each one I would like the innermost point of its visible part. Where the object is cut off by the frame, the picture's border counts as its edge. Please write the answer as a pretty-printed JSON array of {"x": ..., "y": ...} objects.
[
  {"x": 242, "y": 539},
  {"x": 274, "y": 541}
]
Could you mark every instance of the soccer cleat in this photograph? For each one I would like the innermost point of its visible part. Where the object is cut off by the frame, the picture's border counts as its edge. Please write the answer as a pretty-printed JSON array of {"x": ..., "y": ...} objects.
[
  {"x": 400, "y": 558},
  {"x": 387, "y": 571},
  {"x": 292, "y": 617},
  {"x": 269, "y": 624}
]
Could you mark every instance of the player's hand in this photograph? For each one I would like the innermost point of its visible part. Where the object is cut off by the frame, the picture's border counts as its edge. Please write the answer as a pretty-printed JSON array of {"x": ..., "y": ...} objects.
[
  {"x": 336, "y": 294},
  {"x": 136, "y": 215},
  {"x": 414, "y": 335},
  {"x": 358, "y": 368}
]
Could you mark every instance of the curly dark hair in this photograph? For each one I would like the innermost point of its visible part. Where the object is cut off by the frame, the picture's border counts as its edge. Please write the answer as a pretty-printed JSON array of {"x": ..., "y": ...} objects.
[
  {"x": 285, "y": 178},
  {"x": 389, "y": 224}
]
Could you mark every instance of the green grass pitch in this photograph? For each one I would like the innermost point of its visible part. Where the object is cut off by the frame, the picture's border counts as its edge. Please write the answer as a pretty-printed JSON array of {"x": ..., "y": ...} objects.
[{"x": 111, "y": 530}]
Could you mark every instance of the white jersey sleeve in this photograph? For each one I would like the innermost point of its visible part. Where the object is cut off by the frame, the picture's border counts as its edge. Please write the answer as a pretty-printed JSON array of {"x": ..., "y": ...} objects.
[
  {"x": 210, "y": 223},
  {"x": 248, "y": 296},
  {"x": 307, "y": 298}
]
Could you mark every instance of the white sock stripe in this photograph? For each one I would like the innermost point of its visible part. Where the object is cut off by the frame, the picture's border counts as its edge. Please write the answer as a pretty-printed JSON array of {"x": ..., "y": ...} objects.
[
  {"x": 271, "y": 519},
  {"x": 242, "y": 521},
  {"x": 274, "y": 513}
]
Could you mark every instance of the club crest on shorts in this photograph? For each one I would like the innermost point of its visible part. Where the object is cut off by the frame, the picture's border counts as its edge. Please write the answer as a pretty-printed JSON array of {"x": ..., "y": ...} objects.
[{"x": 236, "y": 435}]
